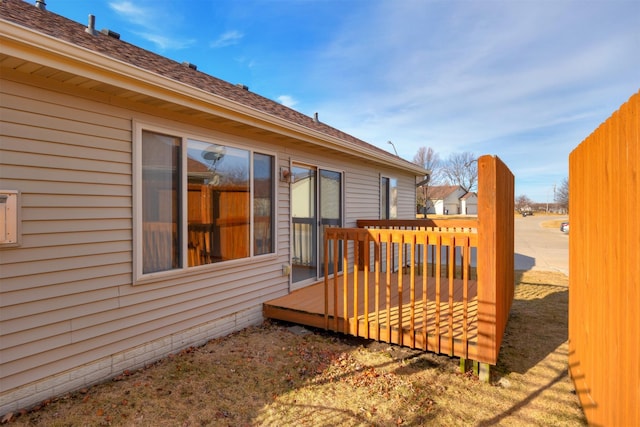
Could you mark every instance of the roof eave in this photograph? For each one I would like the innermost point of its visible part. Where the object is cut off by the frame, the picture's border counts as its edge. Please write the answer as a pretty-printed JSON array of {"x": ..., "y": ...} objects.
[{"x": 31, "y": 45}]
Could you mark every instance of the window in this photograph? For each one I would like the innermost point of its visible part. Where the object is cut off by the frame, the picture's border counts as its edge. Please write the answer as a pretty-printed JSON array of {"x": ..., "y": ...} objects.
[
  {"x": 160, "y": 202},
  {"x": 263, "y": 204},
  {"x": 388, "y": 198},
  {"x": 202, "y": 202}
]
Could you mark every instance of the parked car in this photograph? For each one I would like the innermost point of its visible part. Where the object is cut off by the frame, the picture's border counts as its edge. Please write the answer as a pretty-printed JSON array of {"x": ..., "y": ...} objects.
[
  {"x": 564, "y": 227},
  {"x": 527, "y": 213}
]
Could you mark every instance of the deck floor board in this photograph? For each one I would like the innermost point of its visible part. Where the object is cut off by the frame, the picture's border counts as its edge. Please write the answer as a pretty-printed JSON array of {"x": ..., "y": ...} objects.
[{"x": 306, "y": 306}]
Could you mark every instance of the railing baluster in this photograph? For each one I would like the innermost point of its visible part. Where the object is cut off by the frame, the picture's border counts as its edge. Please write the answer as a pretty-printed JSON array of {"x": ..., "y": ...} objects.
[
  {"x": 438, "y": 284},
  {"x": 326, "y": 279},
  {"x": 367, "y": 267},
  {"x": 412, "y": 269},
  {"x": 425, "y": 293},
  {"x": 388, "y": 287},
  {"x": 336, "y": 244},
  {"x": 345, "y": 284},
  {"x": 356, "y": 278},
  {"x": 465, "y": 298},
  {"x": 452, "y": 270},
  {"x": 433, "y": 262},
  {"x": 377, "y": 253},
  {"x": 400, "y": 293}
]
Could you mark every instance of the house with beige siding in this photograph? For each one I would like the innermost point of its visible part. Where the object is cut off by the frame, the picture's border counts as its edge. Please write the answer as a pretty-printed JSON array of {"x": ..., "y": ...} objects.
[{"x": 148, "y": 207}]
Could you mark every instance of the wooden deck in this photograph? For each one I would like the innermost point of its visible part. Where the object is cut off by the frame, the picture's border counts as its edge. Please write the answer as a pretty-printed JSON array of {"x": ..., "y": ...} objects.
[
  {"x": 449, "y": 327},
  {"x": 434, "y": 302}
]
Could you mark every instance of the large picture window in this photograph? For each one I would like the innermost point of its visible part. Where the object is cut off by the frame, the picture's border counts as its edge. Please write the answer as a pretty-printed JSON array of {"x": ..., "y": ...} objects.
[{"x": 203, "y": 202}]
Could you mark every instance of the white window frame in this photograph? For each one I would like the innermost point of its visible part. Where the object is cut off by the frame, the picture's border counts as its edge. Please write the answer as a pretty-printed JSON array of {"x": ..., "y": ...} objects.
[{"x": 185, "y": 135}]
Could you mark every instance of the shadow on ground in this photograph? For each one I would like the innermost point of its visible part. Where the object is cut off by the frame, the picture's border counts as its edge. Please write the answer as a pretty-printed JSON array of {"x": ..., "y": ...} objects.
[
  {"x": 523, "y": 262},
  {"x": 538, "y": 324}
]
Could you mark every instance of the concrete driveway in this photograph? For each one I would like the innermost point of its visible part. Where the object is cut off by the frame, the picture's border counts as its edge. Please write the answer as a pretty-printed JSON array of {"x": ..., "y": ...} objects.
[{"x": 538, "y": 248}]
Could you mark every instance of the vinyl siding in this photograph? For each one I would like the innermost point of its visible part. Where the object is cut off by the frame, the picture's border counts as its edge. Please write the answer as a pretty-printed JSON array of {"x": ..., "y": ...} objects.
[
  {"x": 66, "y": 295},
  {"x": 363, "y": 193},
  {"x": 406, "y": 196}
]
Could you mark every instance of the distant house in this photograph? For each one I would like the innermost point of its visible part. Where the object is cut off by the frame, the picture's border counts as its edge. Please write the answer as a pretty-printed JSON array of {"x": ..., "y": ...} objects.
[
  {"x": 451, "y": 200},
  {"x": 469, "y": 204},
  {"x": 152, "y": 207}
]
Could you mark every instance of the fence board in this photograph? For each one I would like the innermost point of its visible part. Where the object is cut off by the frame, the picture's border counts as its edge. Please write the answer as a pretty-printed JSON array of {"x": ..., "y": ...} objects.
[{"x": 604, "y": 264}]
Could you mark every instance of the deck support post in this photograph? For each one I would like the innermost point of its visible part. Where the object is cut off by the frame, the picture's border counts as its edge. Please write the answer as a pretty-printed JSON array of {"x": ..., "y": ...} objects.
[
  {"x": 465, "y": 365},
  {"x": 483, "y": 371}
]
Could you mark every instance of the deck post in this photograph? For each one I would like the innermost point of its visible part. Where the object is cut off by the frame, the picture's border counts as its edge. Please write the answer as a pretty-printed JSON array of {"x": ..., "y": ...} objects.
[
  {"x": 463, "y": 365},
  {"x": 495, "y": 254},
  {"x": 484, "y": 372},
  {"x": 481, "y": 370}
]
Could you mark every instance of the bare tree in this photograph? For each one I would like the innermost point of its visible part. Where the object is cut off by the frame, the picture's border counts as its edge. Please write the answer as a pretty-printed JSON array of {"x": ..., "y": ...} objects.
[
  {"x": 562, "y": 195},
  {"x": 523, "y": 203},
  {"x": 430, "y": 160},
  {"x": 461, "y": 169}
]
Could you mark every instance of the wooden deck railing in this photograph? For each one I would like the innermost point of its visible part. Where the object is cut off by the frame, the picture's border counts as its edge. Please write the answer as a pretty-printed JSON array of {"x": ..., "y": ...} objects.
[
  {"x": 434, "y": 226},
  {"x": 409, "y": 257},
  {"x": 390, "y": 252}
]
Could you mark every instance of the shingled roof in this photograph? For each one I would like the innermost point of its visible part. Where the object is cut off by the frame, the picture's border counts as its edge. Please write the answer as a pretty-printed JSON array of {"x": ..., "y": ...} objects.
[
  {"x": 43, "y": 21},
  {"x": 441, "y": 192}
]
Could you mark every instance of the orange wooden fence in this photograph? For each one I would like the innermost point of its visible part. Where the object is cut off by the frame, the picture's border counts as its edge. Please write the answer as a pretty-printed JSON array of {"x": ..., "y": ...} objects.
[
  {"x": 604, "y": 267},
  {"x": 391, "y": 247}
]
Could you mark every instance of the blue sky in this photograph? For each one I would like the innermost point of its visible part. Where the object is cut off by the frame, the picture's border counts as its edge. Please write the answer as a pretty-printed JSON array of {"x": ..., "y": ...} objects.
[{"x": 524, "y": 80}]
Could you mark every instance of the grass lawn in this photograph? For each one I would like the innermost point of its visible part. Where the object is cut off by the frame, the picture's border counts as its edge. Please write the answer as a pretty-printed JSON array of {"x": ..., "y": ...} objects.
[{"x": 279, "y": 374}]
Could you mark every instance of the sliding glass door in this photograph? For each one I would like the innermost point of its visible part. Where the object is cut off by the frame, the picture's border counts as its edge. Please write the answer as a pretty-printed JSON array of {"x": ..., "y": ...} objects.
[
  {"x": 316, "y": 203},
  {"x": 330, "y": 212},
  {"x": 304, "y": 221}
]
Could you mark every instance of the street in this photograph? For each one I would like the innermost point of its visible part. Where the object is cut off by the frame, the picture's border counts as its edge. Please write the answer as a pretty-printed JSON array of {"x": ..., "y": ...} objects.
[{"x": 538, "y": 248}]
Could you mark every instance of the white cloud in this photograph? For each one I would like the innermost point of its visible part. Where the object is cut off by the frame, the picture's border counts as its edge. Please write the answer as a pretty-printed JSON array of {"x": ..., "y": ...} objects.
[
  {"x": 167, "y": 43},
  {"x": 227, "y": 39},
  {"x": 154, "y": 23},
  {"x": 135, "y": 14},
  {"x": 287, "y": 100},
  {"x": 523, "y": 80}
]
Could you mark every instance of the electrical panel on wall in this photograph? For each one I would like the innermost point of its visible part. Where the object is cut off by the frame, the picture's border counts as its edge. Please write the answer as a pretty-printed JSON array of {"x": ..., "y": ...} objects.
[{"x": 9, "y": 218}]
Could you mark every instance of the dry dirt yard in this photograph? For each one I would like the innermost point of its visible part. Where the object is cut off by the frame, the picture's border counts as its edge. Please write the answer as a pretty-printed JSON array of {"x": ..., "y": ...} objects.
[{"x": 280, "y": 374}]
